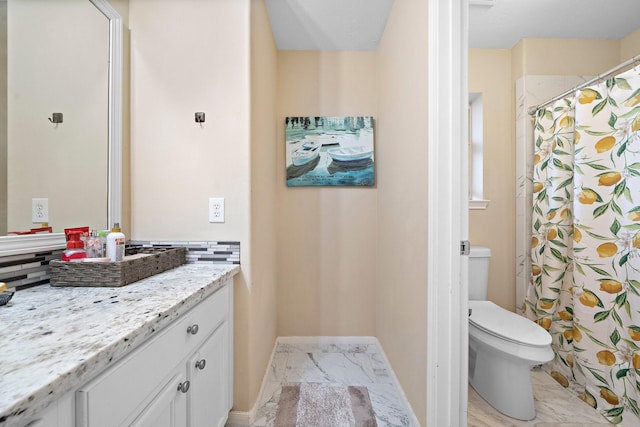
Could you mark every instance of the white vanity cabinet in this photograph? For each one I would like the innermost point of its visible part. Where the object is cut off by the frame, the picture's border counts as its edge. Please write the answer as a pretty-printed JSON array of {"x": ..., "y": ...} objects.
[
  {"x": 181, "y": 377},
  {"x": 208, "y": 376}
]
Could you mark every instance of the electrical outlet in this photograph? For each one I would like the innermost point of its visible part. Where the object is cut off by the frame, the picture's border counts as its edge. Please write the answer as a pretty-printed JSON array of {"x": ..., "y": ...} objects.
[
  {"x": 39, "y": 211},
  {"x": 216, "y": 209}
]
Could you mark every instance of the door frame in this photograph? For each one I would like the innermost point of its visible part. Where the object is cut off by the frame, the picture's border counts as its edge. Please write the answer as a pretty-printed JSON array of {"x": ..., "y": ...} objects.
[{"x": 447, "y": 223}]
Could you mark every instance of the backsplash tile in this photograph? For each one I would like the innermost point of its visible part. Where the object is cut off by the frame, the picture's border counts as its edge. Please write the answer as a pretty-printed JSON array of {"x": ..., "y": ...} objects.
[
  {"x": 27, "y": 270},
  {"x": 220, "y": 252}
]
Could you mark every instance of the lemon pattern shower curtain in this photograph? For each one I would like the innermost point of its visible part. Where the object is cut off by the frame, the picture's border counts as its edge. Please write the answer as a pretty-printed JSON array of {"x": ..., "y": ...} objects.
[{"x": 585, "y": 244}]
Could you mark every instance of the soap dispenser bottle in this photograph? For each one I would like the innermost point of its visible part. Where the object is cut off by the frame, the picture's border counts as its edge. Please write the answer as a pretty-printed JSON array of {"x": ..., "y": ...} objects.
[
  {"x": 115, "y": 243},
  {"x": 75, "y": 247}
]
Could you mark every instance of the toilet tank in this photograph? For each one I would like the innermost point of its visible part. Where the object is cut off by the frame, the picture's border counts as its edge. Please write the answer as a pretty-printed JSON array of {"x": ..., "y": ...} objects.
[{"x": 478, "y": 272}]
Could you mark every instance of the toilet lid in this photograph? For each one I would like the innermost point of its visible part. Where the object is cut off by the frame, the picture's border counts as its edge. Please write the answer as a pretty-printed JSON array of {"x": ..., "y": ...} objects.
[{"x": 495, "y": 320}]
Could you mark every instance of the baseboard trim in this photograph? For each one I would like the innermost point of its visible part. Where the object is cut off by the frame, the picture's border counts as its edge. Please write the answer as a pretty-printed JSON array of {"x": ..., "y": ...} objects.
[
  {"x": 238, "y": 419},
  {"x": 414, "y": 419},
  {"x": 247, "y": 418},
  {"x": 327, "y": 340}
]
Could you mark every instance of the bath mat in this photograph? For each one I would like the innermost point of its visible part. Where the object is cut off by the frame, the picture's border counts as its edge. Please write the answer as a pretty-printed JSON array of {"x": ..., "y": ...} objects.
[
  {"x": 573, "y": 424},
  {"x": 321, "y": 405}
]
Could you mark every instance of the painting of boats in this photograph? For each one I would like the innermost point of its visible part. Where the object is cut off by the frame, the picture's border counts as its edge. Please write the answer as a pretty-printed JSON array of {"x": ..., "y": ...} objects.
[{"x": 329, "y": 151}]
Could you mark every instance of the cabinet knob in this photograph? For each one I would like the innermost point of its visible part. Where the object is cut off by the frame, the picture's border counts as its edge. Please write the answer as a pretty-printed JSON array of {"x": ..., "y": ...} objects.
[
  {"x": 193, "y": 329},
  {"x": 184, "y": 387},
  {"x": 200, "y": 364}
]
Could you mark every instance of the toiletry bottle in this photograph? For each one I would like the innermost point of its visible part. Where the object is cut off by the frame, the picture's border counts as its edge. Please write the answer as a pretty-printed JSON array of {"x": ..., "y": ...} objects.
[
  {"x": 115, "y": 244},
  {"x": 75, "y": 247},
  {"x": 102, "y": 235},
  {"x": 93, "y": 245}
]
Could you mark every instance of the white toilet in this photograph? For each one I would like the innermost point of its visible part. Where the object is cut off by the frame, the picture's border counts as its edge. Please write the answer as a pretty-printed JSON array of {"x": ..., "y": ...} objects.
[{"x": 503, "y": 346}]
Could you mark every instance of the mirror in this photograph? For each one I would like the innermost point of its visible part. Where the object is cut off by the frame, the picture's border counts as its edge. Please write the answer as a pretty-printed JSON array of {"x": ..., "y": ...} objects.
[{"x": 49, "y": 80}]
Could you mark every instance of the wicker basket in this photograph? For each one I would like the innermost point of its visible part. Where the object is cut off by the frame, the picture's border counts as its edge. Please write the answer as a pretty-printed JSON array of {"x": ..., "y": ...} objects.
[{"x": 145, "y": 263}]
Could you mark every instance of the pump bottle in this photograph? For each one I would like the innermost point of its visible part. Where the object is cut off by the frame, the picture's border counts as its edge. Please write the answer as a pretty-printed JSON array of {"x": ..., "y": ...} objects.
[{"x": 115, "y": 243}]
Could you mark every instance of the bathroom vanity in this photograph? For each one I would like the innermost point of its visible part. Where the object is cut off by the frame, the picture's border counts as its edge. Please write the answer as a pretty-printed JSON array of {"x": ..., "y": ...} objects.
[{"x": 155, "y": 352}]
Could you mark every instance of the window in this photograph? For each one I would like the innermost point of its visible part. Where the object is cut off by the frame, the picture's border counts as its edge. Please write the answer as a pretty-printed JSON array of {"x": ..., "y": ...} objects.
[{"x": 476, "y": 169}]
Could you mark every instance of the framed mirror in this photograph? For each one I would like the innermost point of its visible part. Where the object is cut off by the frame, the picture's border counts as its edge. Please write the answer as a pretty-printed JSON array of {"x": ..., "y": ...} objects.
[{"x": 105, "y": 103}]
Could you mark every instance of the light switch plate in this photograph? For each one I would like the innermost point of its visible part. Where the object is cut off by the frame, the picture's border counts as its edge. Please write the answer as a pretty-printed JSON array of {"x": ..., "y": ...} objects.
[{"x": 216, "y": 209}]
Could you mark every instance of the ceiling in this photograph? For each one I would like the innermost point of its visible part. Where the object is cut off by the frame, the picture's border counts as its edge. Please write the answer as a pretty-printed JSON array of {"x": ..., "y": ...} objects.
[
  {"x": 328, "y": 24},
  {"x": 508, "y": 21},
  {"x": 359, "y": 24}
]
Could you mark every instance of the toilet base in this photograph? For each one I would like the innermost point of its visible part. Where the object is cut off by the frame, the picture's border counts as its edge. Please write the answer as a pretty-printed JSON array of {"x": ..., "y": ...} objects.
[{"x": 503, "y": 381}]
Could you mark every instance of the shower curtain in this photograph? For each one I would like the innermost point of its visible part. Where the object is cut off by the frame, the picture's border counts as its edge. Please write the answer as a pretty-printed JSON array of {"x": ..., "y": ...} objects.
[{"x": 585, "y": 245}]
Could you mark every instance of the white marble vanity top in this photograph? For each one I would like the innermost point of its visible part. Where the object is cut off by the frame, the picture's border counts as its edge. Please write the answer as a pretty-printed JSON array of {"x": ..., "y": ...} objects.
[{"x": 54, "y": 339}]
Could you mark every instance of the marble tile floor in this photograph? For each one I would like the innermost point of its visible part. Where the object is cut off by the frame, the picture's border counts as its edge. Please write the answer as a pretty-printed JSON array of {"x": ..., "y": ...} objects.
[
  {"x": 555, "y": 407},
  {"x": 338, "y": 363}
]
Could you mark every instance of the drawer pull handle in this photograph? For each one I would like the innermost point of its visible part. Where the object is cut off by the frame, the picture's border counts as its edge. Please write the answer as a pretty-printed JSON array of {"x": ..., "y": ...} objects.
[
  {"x": 184, "y": 387},
  {"x": 200, "y": 364},
  {"x": 193, "y": 329}
]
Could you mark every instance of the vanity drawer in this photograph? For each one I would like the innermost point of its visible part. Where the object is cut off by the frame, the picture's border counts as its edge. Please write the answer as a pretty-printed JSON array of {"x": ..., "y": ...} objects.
[{"x": 132, "y": 383}]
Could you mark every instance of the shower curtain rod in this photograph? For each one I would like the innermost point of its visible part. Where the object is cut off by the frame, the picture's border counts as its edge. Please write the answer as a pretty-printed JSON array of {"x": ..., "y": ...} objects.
[{"x": 533, "y": 110}]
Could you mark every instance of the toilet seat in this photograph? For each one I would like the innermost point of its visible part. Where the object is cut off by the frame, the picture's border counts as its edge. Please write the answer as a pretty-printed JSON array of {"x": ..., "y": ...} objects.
[{"x": 495, "y": 320}]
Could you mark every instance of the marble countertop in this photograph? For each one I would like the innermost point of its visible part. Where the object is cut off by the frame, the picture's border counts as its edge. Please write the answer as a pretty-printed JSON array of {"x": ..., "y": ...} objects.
[{"x": 53, "y": 340}]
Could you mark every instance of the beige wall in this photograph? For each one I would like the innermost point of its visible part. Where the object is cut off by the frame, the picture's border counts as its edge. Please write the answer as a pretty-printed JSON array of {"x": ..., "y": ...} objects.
[
  {"x": 572, "y": 57},
  {"x": 264, "y": 184},
  {"x": 630, "y": 46},
  {"x": 176, "y": 164},
  {"x": 401, "y": 290},
  {"x": 326, "y": 235},
  {"x": 490, "y": 74},
  {"x": 517, "y": 62}
]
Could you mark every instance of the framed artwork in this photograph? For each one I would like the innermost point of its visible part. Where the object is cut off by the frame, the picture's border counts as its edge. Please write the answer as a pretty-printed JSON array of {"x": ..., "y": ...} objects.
[{"x": 329, "y": 151}]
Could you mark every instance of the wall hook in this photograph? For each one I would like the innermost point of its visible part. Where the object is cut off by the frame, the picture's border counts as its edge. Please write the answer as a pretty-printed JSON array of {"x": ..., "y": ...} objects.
[
  {"x": 200, "y": 117},
  {"x": 56, "y": 118}
]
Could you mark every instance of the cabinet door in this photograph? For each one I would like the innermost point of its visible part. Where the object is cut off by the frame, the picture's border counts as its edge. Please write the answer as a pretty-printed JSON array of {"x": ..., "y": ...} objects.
[
  {"x": 208, "y": 371},
  {"x": 168, "y": 408}
]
